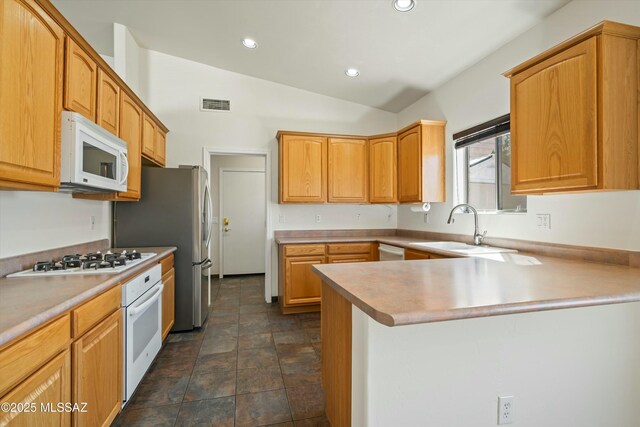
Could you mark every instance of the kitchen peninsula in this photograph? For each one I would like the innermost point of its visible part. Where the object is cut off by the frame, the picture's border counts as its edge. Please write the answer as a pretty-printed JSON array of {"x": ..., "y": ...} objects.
[{"x": 439, "y": 340}]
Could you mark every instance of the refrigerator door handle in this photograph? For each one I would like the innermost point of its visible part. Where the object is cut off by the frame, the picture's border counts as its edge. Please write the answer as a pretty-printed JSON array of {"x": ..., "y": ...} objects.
[
  {"x": 210, "y": 219},
  {"x": 204, "y": 261}
]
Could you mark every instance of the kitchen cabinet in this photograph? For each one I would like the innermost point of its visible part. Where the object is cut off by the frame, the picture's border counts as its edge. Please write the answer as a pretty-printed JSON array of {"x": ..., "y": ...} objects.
[
  {"x": 160, "y": 146},
  {"x": 383, "y": 165},
  {"x": 131, "y": 132},
  {"x": 153, "y": 142},
  {"x": 97, "y": 372},
  {"x": 108, "y": 109},
  {"x": 32, "y": 46},
  {"x": 410, "y": 254},
  {"x": 302, "y": 286},
  {"x": 168, "y": 301},
  {"x": 49, "y": 386},
  {"x": 348, "y": 169},
  {"x": 81, "y": 77},
  {"x": 303, "y": 168},
  {"x": 574, "y": 114},
  {"x": 421, "y": 162}
]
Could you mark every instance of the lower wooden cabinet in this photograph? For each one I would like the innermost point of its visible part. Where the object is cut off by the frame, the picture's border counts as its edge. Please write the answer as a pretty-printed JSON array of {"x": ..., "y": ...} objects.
[
  {"x": 336, "y": 259},
  {"x": 168, "y": 301},
  {"x": 301, "y": 285},
  {"x": 410, "y": 254},
  {"x": 97, "y": 373},
  {"x": 48, "y": 386}
]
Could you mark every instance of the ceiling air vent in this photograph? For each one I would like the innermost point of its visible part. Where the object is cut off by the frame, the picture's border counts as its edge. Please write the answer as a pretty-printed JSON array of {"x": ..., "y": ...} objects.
[{"x": 207, "y": 104}]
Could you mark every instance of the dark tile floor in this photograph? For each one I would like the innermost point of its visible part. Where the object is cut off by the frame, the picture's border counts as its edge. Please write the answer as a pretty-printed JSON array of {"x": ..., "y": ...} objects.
[{"x": 248, "y": 366}]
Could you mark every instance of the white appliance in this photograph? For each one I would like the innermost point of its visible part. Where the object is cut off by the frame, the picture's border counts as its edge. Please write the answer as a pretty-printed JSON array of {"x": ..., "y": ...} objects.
[
  {"x": 142, "y": 320},
  {"x": 390, "y": 253},
  {"x": 93, "y": 160}
]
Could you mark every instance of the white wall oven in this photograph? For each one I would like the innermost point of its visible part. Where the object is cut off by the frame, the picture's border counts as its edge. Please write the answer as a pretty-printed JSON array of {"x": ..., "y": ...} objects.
[{"x": 142, "y": 313}]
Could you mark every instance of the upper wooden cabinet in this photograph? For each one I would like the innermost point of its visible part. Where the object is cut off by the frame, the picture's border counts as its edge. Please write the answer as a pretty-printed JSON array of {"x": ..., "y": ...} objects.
[
  {"x": 348, "y": 170},
  {"x": 148, "y": 137},
  {"x": 108, "y": 110},
  {"x": 81, "y": 79},
  {"x": 131, "y": 131},
  {"x": 160, "y": 146},
  {"x": 574, "y": 114},
  {"x": 383, "y": 187},
  {"x": 421, "y": 162},
  {"x": 303, "y": 168},
  {"x": 32, "y": 47}
]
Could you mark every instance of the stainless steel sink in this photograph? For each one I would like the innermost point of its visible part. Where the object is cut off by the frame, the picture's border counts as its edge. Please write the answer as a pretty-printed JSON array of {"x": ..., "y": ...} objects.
[{"x": 463, "y": 248}]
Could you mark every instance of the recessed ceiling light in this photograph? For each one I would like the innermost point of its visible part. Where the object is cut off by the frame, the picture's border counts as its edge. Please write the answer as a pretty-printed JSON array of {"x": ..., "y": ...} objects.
[
  {"x": 352, "y": 72},
  {"x": 403, "y": 5},
  {"x": 249, "y": 43}
]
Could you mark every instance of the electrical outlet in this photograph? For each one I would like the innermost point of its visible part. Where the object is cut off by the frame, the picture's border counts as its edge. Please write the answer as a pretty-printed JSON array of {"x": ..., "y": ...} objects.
[
  {"x": 426, "y": 218},
  {"x": 281, "y": 219},
  {"x": 543, "y": 221},
  {"x": 318, "y": 218},
  {"x": 505, "y": 410},
  {"x": 92, "y": 222},
  {"x": 357, "y": 217}
]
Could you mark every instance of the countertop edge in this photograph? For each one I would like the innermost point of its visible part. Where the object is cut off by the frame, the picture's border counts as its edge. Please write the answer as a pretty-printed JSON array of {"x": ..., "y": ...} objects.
[
  {"x": 474, "y": 312},
  {"x": 25, "y": 327}
]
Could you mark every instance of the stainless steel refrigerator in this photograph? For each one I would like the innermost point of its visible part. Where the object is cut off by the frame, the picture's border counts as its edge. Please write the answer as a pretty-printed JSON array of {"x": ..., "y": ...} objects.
[{"x": 174, "y": 210}]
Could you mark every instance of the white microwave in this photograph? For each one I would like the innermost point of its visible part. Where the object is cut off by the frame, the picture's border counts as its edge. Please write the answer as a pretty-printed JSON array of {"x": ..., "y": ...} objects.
[{"x": 93, "y": 159}]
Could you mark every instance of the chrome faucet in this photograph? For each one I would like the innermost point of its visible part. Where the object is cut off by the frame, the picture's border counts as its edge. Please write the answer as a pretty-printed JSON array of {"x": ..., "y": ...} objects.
[{"x": 477, "y": 237}]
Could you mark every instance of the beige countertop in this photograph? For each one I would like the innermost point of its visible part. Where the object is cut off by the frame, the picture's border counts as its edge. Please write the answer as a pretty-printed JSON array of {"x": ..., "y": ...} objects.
[
  {"x": 27, "y": 302},
  {"x": 409, "y": 292}
]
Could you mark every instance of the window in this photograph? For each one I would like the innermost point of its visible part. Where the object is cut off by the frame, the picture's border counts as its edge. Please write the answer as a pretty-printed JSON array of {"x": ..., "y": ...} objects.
[{"x": 483, "y": 159}]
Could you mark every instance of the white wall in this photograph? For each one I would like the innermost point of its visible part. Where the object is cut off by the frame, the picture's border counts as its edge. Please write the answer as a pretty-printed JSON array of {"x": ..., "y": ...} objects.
[
  {"x": 481, "y": 93},
  {"x": 32, "y": 221},
  {"x": 571, "y": 367},
  {"x": 126, "y": 57},
  {"x": 173, "y": 86},
  {"x": 224, "y": 161}
]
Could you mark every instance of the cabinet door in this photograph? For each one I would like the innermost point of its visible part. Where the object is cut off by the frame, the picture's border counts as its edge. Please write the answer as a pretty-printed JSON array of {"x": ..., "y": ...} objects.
[
  {"x": 383, "y": 186},
  {"x": 108, "y": 103},
  {"x": 148, "y": 137},
  {"x": 160, "y": 146},
  {"x": 348, "y": 170},
  {"x": 131, "y": 132},
  {"x": 301, "y": 285},
  {"x": 410, "y": 165},
  {"x": 97, "y": 372},
  {"x": 48, "y": 386},
  {"x": 411, "y": 254},
  {"x": 338, "y": 259},
  {"x": 81, "y": 77},
  {"x": 303, "y": 169},
  {"x": 554, "y": 115},
  {"x": 168, "y": 301},
  {"x": 32, "y": 49}
]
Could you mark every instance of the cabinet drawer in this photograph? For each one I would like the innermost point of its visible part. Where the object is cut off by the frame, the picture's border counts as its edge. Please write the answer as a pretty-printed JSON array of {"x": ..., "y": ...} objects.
[
  {"x": 349, "y": 248},
  {"x": 95, "y": 310},
  {"x": 167, "y": 264},
  {"x": 302, "y": 250},
  {"x": 338, "y": 259},
  {"x": 30, "y": 353}
]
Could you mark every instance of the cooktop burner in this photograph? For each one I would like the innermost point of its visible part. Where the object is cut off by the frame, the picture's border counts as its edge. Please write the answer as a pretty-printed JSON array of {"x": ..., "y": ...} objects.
[{"x": 98, "y": 262}]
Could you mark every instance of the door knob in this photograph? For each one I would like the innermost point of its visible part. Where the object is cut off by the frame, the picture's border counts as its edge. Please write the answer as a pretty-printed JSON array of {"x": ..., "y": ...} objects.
[
  {"x": 226, "y": 221},
  {"x": 226, "y": 229}
]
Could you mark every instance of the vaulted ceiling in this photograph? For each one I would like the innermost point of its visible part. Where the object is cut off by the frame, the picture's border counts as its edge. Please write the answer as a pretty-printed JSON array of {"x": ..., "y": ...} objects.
[{"x": 308, "y": 44}]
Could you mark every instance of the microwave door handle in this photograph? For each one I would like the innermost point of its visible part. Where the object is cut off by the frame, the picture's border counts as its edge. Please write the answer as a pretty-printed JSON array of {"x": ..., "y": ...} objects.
[
  {"x": 125, "y": 174},
  {"x": 142, "y": 307}
]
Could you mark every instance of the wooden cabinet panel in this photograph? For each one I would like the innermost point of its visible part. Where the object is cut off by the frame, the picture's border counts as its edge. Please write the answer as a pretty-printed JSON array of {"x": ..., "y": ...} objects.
[
  {"x": 410, "y": 254},
  {"x": 131, "y": 132},
  {"x": 383, "y": 165},
  {"x": 108, "y": 111},
  {"x": 81, "y": 76},
  {"x": 166, "y": 263},
  {"x": 303, "y": 169},
  {"x": 348, "y": 248},
  {"x": 338, "y": 259},
  {"x": 160, "y": 146},
  {"x": 48, "y": 386},
  {"x": 348, "y": 170},
  {"x": 148, "y": 137},
  {"x": 302, "y": 250},
  {"x": 97, "y": 373},
  {"x": 90, "y": 313},
  {"x": 28, "y": 354},
  {"x": 410, "y": 165},
  {"x": 554, "y": 122},
  {"x": 32, "y": 48},
  {"x": 168, "y": 302},
  {"x": 301, "y": 285}
]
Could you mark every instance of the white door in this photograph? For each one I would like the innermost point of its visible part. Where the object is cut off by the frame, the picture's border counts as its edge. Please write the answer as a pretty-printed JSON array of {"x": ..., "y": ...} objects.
[{"x": 242, "y": 202}]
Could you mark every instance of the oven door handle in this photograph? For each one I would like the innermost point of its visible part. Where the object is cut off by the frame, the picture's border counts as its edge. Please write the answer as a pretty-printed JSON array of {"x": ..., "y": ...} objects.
[{"x": 142, "y": 307}]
